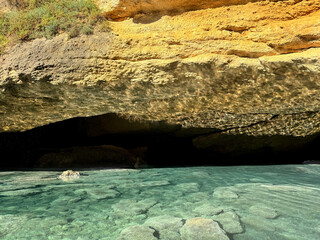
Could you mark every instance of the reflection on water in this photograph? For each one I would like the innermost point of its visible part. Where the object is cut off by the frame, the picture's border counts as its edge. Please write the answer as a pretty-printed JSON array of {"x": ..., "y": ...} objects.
[{"x": 248, "y": 202}]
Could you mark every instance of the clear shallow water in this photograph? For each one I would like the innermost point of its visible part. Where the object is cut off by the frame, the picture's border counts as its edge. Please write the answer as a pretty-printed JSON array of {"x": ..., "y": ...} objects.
[{"x": 249, "y": 202}]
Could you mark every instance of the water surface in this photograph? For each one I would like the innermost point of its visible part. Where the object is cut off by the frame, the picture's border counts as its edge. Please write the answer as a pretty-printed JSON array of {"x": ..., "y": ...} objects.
[{"x": 248, "y": 202}]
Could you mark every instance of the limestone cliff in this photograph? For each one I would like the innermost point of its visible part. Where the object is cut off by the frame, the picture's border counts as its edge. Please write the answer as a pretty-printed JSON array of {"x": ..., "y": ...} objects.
[{"x": 237, "y": 67}]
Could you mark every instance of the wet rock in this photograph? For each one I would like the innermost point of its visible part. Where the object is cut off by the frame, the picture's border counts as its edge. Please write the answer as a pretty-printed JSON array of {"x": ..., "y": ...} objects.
[
  {"x": 230, "y": 222},
  {"x": 264, "y": 211},
  {"x": 202, "y": 229},
  {"x": 138, "y": 233}
]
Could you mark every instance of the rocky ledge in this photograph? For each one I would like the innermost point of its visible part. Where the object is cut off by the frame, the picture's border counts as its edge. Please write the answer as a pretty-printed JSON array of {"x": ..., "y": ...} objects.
[{"x": 233, "y": 77}]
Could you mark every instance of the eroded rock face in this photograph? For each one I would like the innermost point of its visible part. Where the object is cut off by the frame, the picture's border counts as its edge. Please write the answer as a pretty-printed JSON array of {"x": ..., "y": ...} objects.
[
  {"x": 242, "y": 76},
  {"x": 121, "y": 9}
]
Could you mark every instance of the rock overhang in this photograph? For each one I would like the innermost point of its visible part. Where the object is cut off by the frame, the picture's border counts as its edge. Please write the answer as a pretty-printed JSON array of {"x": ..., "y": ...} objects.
[{"x": 220, "y": 84}]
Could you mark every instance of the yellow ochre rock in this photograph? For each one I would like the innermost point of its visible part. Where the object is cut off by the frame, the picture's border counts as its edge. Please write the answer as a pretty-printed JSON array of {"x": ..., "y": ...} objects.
[
  {"x": 121, "y": 9},
  {"x": 251, "y": 30}
]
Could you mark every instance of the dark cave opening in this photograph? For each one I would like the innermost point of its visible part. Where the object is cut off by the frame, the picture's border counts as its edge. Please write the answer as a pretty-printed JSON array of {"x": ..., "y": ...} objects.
[{"x": 112, "y": 140}]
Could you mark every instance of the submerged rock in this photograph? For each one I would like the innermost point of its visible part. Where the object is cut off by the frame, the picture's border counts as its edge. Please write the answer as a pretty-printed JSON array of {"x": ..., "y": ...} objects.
[
  {"x": 130, "y": 207},
  {"x": 10, "y": 223},
  {"x": 224, "y": 193},
  {"x": 208, "y": 209},
  {"x": 167, "y": 226},
  {"x": 187, "y": 187},
  {"x": 20, "y": 192},
  {"x": 138, "y": 233},
  {"x": 103, "y": 193},
  {"x": 230, "y": 222},
  {"x": 202, "y": 229},
  {"x": 264, "y": 211}
]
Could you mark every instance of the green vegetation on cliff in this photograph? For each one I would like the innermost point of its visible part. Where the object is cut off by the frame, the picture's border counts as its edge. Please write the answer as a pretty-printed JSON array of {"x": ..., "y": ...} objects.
[{"x": 47, "y": 18}]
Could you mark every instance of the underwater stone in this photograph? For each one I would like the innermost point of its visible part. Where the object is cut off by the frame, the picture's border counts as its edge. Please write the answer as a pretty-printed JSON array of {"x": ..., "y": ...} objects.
[
  {"x": 20, "y": 192},
  {"x": 167, "y": 226},
  {"x": 230, "y": 222},
  {"x": 129, "y": 207},
  {"x": 188, "y": 187},
  {"x": 208, "y": 209},
  {"x": 197, "y": 197},
  {"x": 102, "y": 193},
  {"x": 138, "y": 233},
  {"x": 169, "y": 235},
  {"x": 10, "y": 223},
  {"x": 224, "y": 193},
  {"x": 164, "y": 222},
  {"x": 202, "y": 229},
  {"x": 264, "y": 211}
]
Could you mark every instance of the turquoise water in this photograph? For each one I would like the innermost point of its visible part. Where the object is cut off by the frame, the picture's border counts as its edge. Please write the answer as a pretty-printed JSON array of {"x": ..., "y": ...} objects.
[{"x": 247, "y": 202}]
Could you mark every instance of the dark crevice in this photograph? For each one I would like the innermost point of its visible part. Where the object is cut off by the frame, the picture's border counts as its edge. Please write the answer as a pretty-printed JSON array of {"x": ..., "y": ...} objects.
[
  {"x": 183, "y": 221},
  {"x": 113, "y": 140},
  {"x": 156, "y": 233}
]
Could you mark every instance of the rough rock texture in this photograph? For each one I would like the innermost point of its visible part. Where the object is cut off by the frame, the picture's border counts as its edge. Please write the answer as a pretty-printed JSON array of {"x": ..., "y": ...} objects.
[
  {"x": 8, "y": 5},
  {"x": 236, "y": 73},
  {"x": 121, "y": 9},
  {"x": 5, "y": 6}
]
